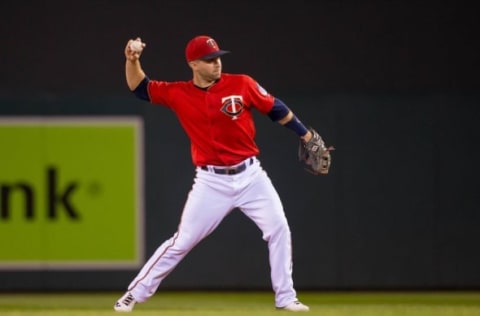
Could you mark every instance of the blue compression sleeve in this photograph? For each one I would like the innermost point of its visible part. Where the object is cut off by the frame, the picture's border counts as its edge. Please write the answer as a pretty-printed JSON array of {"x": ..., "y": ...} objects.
[
  {"x": 278, "y": 111},
  {"x": 141, "y": 90},
  {"x": 297, "y": 126}
]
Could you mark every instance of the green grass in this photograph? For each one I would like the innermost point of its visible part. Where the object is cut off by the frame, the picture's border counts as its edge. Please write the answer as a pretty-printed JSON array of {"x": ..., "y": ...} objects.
[{"x": 246, "y": 303}]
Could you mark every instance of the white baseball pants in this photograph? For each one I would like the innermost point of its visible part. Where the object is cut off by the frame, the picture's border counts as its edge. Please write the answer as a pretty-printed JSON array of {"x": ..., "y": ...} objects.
[{"x": 212, "y": 197}]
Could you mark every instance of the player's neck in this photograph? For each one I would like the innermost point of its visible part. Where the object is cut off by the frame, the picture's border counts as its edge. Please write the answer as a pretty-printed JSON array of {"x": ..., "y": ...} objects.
[{"x": 204, "y": 85}]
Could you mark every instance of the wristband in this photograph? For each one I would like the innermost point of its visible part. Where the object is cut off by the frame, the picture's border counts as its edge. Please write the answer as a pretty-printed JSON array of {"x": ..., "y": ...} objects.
[{"x": 295, "y": 125}]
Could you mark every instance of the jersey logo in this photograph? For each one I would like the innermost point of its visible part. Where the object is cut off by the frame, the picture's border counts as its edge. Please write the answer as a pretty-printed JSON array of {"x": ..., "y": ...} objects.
[{"x": 232, "y": 106}]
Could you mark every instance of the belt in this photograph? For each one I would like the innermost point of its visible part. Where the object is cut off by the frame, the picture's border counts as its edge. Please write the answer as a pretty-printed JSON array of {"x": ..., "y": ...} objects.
[{"x": 229, "y": 170}]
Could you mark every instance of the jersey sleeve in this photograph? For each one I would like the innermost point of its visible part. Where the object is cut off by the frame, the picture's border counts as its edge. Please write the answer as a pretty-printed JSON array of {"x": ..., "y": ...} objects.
[
  {"x": 260, "y": 98},
  {"x": 159, "y": 92}
]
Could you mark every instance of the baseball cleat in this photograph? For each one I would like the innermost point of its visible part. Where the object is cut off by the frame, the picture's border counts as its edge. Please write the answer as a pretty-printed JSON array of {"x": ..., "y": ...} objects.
[
  {"x": 295, "y": 307},
  {"x": 125, "y": 303}
]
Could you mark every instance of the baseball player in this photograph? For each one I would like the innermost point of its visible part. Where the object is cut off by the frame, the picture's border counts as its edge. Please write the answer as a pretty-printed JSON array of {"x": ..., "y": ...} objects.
[{"x": 215, "y": 110}]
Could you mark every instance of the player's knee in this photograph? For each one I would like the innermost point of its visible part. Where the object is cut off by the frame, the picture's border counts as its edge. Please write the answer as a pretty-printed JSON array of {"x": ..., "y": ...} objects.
[
  {"x": 279, "y": 230},
  {"x": 186, "y": 241}
]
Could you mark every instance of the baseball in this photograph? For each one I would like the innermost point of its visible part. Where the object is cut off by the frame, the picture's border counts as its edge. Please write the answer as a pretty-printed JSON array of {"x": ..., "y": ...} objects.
[{"x": 136, "y": 46}]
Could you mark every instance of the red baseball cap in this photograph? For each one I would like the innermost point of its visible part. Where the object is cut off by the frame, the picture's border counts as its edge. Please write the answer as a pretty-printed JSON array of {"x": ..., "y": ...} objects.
[{"x": 203, "y": 47}]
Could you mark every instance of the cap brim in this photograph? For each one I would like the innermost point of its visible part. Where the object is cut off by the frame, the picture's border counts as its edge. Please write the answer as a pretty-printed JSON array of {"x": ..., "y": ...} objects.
[{"x": 214, "y": 54}]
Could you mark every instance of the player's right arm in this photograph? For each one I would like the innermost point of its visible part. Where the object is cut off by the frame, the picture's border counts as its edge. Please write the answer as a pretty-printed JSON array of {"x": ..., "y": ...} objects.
[{"x": 133, "y": 69}]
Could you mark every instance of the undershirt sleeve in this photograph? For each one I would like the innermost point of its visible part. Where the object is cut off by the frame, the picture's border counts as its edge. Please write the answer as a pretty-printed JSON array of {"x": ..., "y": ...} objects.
[
  {"x": 141, "y": 91},
  {"x": 278, "y": 111}
]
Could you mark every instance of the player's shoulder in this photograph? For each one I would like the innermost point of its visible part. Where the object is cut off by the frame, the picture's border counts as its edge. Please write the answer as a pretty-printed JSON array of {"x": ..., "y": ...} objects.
[
  {"x": 237, "y": 77},
  {"x": 169, "y": 84}
]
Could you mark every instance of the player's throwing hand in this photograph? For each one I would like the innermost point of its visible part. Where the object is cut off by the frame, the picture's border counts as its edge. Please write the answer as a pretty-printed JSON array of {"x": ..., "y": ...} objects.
[{"x": 134, "y": 49}]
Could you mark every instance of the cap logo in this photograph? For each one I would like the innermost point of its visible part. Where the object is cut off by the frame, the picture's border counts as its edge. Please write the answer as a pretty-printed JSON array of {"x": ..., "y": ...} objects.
[{"x": 211, "y": 43}]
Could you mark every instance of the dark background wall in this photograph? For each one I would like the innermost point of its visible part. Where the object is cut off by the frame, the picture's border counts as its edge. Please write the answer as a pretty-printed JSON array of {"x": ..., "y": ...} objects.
[{"x": 393, "y": 85}]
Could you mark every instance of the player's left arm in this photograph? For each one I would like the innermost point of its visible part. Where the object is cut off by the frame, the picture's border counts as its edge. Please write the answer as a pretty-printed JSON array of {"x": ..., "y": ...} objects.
[
  {"x": 312, "y": 150},
  {"x": 284, "y": 116}
]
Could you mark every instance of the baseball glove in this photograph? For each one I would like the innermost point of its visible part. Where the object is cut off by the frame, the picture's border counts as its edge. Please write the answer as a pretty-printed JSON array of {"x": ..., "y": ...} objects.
[{"x": 315, "y": 155}]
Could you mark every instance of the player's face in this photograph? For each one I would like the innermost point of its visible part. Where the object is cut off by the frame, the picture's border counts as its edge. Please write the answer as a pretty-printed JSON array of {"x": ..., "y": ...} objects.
[{"x": 210, "y": 70}]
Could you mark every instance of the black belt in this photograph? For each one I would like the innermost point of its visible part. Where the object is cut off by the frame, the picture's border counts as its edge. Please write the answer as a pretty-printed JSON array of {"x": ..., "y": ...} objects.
[{"x": 229, "y": 170}]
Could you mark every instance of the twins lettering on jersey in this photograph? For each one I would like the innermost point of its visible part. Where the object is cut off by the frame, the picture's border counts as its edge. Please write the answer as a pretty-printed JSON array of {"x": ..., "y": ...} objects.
[{"x": 232, "y": 106}]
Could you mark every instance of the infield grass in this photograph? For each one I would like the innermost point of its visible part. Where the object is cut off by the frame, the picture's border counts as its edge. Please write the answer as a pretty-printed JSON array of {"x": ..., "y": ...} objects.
[{"x": 245, "y": 303}]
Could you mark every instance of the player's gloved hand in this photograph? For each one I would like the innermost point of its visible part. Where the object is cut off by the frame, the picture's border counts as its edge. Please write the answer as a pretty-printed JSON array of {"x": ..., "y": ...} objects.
[{"x": 315, "y": 155}]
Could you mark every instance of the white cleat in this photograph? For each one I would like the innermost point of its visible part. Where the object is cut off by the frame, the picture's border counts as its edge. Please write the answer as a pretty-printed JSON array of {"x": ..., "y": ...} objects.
[
  {"x": 125, "y": 303},
  {"x": 295, "y": 307}
]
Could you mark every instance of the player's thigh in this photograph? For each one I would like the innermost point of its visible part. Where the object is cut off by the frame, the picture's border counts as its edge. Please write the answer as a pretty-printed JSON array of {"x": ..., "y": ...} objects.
[
  {"x": 205, "y": 207},
  {"x": 262, "y": 204}
]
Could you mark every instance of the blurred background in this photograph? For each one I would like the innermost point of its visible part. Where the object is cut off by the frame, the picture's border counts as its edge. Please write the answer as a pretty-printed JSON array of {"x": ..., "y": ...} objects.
[{"x": 393, "y": 85}]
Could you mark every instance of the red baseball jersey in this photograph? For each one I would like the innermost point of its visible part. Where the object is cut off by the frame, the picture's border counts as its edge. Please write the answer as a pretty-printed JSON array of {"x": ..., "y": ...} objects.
[{"x": 218, "y": 120}]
